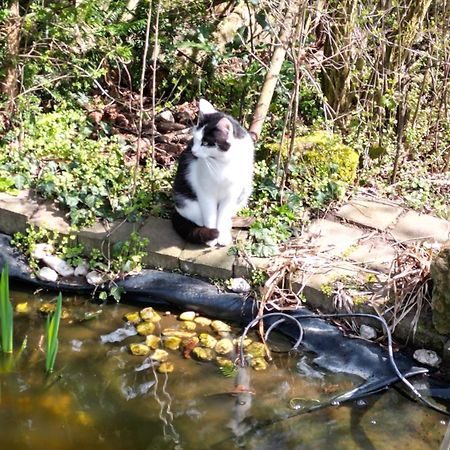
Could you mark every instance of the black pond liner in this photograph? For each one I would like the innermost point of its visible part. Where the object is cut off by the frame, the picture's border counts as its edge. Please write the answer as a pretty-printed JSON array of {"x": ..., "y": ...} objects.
[{"x": 332, "y": 350}]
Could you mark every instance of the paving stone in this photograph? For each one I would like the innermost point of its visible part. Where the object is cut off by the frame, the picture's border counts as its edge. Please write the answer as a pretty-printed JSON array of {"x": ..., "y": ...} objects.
[
  {"x": 314, "y": 284},
  {"x": 165, "y": 246},
  {"x": 243, "y": 268},
  {"x": 51, "y": 218},
  {"x": 420, "y": 227},
  {"x": 333, "y": 237},
  {"x": 370, "y": 213},
  {"x": 15, "y": 211},
  {"x": 207, "y": 262},
  {"x": 376, "y": 254},
  {"x": 99, "y": 235}
]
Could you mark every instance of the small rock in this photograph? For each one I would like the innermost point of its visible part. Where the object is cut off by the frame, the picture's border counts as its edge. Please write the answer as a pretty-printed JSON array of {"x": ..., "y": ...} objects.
[
  {"x": 166, "y": 367},
  {"x": 206, "y": 340},
  {"x": 203, "y": 321},
  {"x": 150, "y": 315},
  {"x": 166, "y": 115},
  {"x": 428, "y": 357},
  {"x": 22, "y": 308},
  {"x": 139, "y": 349},
  {"x": 132, "y": 317},
  {"x": 82, "y": 269},
  {"x": 152, "y": 341},
  {"x": 159, "y": 355},
  {"x": 42, "y": 250},
  {"x": 224, "y": 346},
  {"x": 172, "y": 342},
  {"x": 95, "y": 278},
  {"x": 187, "y": 315},
  {"x": 145, "y": 328},
  {"x": 58, "y": 265},
  {"x": 220, "y": 327},
  {"x": 259, "y": 363},
  {"x": 203, "y": 354},
  {"x": 239, "y": 285},
  {"x": 188, "y": 325},
  {"x": 367, "y": 332},
  {"x": 47, "y": 274}
]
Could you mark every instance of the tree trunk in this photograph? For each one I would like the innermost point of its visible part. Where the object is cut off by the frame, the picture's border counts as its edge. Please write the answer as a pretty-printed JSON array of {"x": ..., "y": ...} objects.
[
  {"x": 8, "y": 85},
  {"x": 271, "y": 79}
]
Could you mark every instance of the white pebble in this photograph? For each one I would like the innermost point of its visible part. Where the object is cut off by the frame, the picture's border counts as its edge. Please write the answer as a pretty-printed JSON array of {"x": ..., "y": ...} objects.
[
  {"x": 239, "y": 285},
  {"x": 367, "y": 332},
  {"x": 95, "y": 278},
  {"x": 82, "y": 269},
  {"x": 428, "y": 357},
  {"x": 59, "y": 265},
  {"x": 47, "y": 274},
  {"x": 42, "y": 250}
]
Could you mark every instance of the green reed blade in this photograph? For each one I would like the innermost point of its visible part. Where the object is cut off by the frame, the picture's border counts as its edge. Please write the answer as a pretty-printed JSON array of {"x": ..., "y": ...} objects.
[
  {"x": 52, "y": 330},
  {"x": 6, "y": 313}
]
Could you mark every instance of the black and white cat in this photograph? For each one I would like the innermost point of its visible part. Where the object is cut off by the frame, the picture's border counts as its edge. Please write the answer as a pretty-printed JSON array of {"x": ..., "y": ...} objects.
[{"x": 214, "y": 178}]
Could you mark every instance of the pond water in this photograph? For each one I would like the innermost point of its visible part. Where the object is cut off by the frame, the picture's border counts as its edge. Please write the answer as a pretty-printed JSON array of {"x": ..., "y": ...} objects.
[{"x": 102, "y": 397}]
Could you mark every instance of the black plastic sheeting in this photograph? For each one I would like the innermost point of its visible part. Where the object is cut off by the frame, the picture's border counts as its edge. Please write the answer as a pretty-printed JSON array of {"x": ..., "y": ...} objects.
[{"x": 332, "y": 350}]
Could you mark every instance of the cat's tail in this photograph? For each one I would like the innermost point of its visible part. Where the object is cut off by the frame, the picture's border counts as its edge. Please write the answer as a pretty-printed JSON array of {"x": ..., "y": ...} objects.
[{"x": 191, "y": 232}]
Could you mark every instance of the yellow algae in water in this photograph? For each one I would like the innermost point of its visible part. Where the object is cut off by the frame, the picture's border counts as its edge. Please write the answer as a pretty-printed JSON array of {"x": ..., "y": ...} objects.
[
  {"x": 187, "y": 315},
  {"x": 133, "y": 317},
  {"x": 203, "y": 321},
  {"x": 139, "y": 349},
  {"x": 206, "y": 340},
  {"x": 84, "y": 418},
  {"x": 145, "y": 328},
  {"x": 47, "y": 308},
  {"x": 150, "y": 315},
  {"x": 220, "y": 327},
  {"x": 172, "y": 342},
  {"x": 224, "y": 362},
  {"x": 22, "y": 308},
  {"x": 188, "y": 325},
  {"x": 256, "y": 349},
  {"x": 259, "y": 363},
  {"x": 178, "y": 333},
  {"x": 159, "y": 355},
  {"x": 203, "y": 354},
  {"x": 58, "y": 404},
  {"x": 245, "y": 343},
  {"x": 166, "y": 367},
  {"x": 224, "y": 346},
  {"x": 152, "y": 341}
]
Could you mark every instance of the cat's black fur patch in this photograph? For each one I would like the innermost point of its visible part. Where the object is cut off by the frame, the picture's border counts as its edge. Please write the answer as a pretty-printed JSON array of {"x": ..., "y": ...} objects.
[
  {"x": 213, "y": 136},
  {"x": 191, "y": 232},
  {"x": 182, "y": 187}
]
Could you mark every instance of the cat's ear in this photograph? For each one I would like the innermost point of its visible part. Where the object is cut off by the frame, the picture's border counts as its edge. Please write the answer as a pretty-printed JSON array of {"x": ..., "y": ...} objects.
[
  {"x": 204, "y": 107},
  {"x": 225, "y": 127}
]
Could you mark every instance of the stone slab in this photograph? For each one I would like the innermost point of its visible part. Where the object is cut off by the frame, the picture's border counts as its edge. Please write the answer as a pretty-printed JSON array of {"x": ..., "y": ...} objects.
[
  {"x": 243, "y": 267},
  {"x": 420, "y": 227},
  {"x": 103, "y": 235},
  {"x": 165, "y": 246},
  {"x": 377, "y": 254},
  {"x": 332, "y": 237},
  {"x": 15, "y": 211},
  {"x": 51, "y": 218},
  {"x": 370, "y": 213},
  {"x": 207, "y": 262}
]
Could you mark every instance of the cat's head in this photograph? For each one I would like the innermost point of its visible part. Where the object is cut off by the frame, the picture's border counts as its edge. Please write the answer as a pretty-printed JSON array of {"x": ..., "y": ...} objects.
[{"x": 216, "y": 134}]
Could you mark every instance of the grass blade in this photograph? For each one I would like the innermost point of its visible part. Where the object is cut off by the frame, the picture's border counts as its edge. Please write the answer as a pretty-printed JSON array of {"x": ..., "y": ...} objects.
[
  {"x": 51, "y": 331},
  {"x": 6, "y": 313}
]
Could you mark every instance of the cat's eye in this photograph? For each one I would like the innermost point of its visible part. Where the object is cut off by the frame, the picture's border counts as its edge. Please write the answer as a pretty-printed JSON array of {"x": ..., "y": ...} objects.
[{"x": 206, "y": 144}]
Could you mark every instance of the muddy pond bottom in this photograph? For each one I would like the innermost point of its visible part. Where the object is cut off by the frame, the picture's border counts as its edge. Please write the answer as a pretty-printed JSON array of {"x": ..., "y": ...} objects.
[{"x": 103, "y": 397}]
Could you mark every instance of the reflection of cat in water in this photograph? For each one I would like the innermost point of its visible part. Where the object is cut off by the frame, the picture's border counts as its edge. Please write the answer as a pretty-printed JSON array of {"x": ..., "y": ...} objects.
[{"x": 214, "y": 178}]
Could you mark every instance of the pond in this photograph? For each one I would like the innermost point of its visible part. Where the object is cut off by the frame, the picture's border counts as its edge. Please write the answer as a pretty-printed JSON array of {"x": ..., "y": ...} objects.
[{"x": 103, "y": 397}]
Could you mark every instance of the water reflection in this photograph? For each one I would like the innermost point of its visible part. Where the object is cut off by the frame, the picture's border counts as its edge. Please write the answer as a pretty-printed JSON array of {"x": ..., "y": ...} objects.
[{"x": 102, "y": 397}]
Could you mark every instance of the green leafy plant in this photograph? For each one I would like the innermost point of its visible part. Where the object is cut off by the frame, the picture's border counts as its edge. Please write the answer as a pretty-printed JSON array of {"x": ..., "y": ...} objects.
[
  {"x": 6, "y": 312},
  {"x": 51, "y": 335}
]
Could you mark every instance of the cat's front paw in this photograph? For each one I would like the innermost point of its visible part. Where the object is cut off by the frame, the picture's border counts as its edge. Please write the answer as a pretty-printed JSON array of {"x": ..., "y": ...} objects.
[
  {"x": 225, "y": 239},
  {"x": 212, "y": 243}
]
